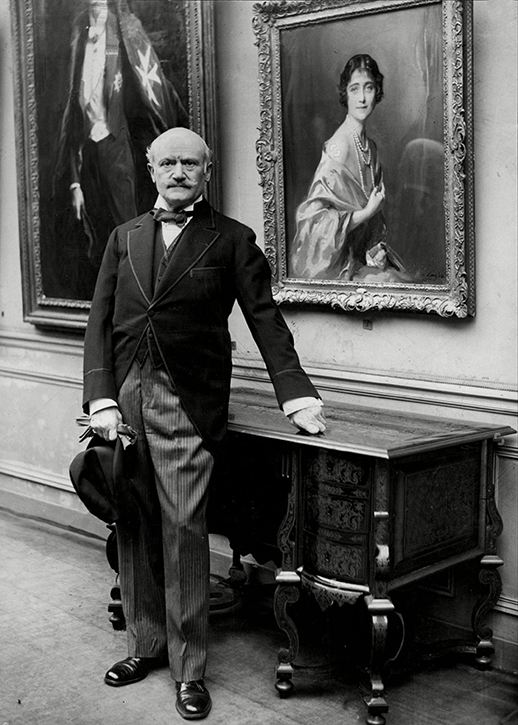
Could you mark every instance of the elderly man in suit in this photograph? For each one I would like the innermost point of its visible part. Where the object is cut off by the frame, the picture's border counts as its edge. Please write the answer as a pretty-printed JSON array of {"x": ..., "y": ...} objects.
[{"x": 158, "y": 356}]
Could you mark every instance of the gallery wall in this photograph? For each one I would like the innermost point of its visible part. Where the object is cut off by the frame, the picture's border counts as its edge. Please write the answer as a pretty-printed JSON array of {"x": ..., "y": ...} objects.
[{"x": 461, "y": 368}]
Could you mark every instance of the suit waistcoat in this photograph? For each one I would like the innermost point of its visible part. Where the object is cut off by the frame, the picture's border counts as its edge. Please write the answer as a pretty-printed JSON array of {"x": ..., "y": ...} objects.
[{"x": 161, "y": 258}]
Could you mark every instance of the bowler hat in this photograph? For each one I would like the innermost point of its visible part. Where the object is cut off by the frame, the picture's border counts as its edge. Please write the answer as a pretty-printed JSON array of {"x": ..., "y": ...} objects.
[{"x": 97, "y": 474}]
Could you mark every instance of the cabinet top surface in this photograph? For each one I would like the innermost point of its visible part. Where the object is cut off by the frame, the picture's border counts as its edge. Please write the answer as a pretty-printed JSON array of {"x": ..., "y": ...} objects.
[{"x": 376, "y": 432}]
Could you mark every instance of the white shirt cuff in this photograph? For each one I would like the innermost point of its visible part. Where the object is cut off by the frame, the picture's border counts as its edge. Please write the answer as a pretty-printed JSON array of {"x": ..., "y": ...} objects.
[
  {"x": 291, "y": 406},
  {"x": 94, "y": 406}
]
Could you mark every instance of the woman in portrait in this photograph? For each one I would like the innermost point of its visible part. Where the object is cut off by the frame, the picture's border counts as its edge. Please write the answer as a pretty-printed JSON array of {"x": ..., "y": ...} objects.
[{"x": 340, "y": 229}]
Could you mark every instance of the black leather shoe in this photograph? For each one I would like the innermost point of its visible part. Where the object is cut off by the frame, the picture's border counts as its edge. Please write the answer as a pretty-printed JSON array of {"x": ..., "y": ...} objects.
[
  {"x": 128, "y": 671},
  {"x": 193, "y": 700}
]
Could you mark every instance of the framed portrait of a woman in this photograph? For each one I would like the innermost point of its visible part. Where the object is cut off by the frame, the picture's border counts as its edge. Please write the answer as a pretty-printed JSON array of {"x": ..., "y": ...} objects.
[
  {"x": 365, "y": 153},
  {"x": 95, "y": 82}
]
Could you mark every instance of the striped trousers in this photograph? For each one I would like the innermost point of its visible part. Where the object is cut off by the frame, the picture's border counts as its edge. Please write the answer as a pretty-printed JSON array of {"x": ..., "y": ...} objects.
[{"x": 164, "y": 561}]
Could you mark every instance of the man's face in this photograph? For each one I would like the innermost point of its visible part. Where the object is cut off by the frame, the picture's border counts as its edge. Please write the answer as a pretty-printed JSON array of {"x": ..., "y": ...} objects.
[{"x": 178, "y": 167}]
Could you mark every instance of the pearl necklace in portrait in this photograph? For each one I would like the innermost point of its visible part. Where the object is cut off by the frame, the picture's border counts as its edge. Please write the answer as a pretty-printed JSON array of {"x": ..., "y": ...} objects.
[
  {"x": 363, "y": 153},
  {"x": 367, "y": 162}
]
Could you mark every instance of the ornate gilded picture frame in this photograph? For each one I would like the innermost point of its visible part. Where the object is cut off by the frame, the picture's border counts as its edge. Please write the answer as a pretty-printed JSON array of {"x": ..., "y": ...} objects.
[
  {"x": 95, "y": 82},
  {"x": 368, "y": 201}
]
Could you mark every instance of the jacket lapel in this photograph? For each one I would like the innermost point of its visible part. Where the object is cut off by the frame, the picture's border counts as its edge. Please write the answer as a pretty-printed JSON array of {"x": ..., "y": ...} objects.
[
  {"x": 196, "y": 239},
  {"x": 140, "y": 254}
]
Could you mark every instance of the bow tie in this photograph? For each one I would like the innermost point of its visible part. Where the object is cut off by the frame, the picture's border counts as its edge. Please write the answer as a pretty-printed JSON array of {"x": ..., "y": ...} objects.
[{"x": 178, "y": 217}]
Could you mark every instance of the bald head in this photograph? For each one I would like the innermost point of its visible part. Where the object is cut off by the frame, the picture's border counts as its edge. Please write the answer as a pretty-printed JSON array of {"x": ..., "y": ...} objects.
[
  {"x": 178, "y": 136},
  {"x": 180, "y": 165}
]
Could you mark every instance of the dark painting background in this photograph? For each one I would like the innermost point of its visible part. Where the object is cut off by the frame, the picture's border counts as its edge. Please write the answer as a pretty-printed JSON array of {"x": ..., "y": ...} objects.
[
  {"x": 407, "y": 125},
  {"x": 66, "y": 271}
]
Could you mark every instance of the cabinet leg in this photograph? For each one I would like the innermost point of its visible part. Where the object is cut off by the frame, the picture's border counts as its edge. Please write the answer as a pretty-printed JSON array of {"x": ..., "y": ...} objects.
[
  {"x": 285, "y": 595},
  {"x": 379, "y": 609},
  {"x": 489, "y": 576}
]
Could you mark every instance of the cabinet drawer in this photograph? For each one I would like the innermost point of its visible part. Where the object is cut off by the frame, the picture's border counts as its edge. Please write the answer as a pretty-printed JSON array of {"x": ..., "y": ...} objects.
[{"x": 345, "y": 562}]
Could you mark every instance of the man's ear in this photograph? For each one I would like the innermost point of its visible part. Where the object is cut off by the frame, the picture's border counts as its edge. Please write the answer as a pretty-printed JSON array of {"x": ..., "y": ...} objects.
[
  {"x": 151, "y": 171},
  {"x": 208, "y": 172}
]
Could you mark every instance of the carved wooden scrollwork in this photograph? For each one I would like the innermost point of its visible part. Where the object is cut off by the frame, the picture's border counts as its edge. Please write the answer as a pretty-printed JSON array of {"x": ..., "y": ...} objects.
[
  {"x": 285, "y": 595},
  {"x": 325, "y": 596},
  {"x": 285, "y": 540}
]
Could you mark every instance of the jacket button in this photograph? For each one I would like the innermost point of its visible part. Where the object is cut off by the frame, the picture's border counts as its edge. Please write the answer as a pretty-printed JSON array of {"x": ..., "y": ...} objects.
[{"x": 150, "y": 313}]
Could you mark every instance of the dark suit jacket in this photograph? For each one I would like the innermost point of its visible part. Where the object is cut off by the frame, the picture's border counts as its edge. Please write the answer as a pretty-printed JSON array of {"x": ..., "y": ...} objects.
[{"x": 215, "y": 263}]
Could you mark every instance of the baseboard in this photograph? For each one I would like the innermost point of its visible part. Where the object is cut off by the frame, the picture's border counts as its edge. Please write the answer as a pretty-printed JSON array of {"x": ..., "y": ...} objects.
[
  {"x": 50, "y": 505},
  {"x": 505, "y": 656}
]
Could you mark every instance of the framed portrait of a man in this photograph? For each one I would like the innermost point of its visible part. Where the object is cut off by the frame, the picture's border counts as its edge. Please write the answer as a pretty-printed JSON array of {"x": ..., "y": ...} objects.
[
  {"x": 95, "y": 82},
  {"x": 365, "y": 153}
]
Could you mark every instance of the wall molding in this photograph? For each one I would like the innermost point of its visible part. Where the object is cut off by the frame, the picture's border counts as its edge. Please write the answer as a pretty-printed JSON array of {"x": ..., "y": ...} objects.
[
  {"x": 383, "y": 388},
  {"x": 43, "y": 342},
  {"x": 40, "y": 377},
  {"x": 507, "y": 605},
  {"x": 473, "y": 397},
  {"x": 476, "y": 395},
  {"x": 510, "y": 452},
  {"x": 31, "y": 475}
]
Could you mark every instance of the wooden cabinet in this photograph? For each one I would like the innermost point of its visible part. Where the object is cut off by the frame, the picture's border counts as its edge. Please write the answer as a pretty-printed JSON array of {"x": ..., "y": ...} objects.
[{"x": 380, "y": 500}]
